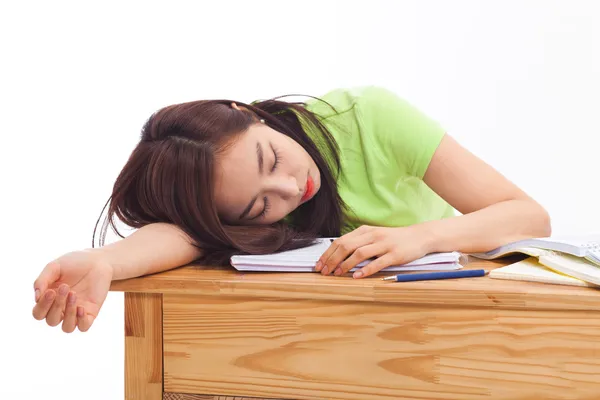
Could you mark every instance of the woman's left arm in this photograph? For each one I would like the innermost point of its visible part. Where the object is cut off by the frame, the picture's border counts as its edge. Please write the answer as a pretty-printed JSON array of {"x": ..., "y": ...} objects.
[{"x": 495, "y": 212}]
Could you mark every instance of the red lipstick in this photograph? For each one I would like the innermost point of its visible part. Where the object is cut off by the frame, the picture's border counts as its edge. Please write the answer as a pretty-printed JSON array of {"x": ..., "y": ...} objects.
[{"x": 308, "y": 192}]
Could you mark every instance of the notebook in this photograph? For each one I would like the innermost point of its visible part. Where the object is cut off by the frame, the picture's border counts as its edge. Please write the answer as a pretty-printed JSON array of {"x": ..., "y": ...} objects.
[
  {"x": 573, "y": 266},
  {"x": 305, "y": 260},
  {"x": 531, "y": 270},
  {"x": 584, "y": 246}
]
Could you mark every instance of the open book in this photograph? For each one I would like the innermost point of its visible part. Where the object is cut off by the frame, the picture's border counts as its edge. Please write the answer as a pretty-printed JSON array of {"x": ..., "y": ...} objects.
[
  {"x": 584, "y": 246},
  {"x": 305, "y": 260},
  {"x": 531, "y": 270},
  {"x": 574, "y": 256}
]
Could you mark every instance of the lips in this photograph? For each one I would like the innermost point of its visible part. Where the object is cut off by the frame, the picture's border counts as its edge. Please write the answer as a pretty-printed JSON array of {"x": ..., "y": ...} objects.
[{"x": 308, "y": 192}]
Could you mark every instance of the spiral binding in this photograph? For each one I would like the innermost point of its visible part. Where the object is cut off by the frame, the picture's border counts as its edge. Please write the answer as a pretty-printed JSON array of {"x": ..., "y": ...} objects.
[
  {"x": 593, "y": 249},
  {"x": 592, "y": 246}
]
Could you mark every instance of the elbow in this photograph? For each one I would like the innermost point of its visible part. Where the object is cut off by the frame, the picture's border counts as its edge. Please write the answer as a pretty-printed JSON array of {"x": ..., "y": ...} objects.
[
  {"x": 543, "y": 222},
  {"x": 535, "y": 221},
  {"x": 546, "y": 224}
]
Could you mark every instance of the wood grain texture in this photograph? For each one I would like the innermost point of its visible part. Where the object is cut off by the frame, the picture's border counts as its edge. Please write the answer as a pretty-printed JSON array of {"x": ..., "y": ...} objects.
[
  {"x": 143, "y": 347},
  {"x": 185, "y": 396},
  {"x": 474, "y": 292},
  {"x": 314, "y": 349}
]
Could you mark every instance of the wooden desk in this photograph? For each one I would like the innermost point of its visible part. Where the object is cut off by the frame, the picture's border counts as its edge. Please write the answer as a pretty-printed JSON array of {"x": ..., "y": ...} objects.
[{"x": 209, "y": 333}]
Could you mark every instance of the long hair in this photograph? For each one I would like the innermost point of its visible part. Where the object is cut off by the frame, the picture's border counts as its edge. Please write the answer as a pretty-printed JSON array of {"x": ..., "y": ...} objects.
[{"x": 169, "y": 177}]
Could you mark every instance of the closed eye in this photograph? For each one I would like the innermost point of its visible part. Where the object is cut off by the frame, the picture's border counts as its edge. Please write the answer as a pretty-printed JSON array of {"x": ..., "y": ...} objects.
[
  {"x": 265, "y": 209},
  {"x": 276, "y": 157}
]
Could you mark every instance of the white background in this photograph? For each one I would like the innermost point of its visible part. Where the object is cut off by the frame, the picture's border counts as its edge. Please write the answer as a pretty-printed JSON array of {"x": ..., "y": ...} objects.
[{"x": 517, "y": 82}]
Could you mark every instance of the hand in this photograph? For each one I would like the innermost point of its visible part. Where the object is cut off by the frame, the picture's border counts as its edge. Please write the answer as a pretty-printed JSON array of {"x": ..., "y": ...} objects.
[
  {"x": 391, "y": 246},
  {"x": 72, "y": 289}
]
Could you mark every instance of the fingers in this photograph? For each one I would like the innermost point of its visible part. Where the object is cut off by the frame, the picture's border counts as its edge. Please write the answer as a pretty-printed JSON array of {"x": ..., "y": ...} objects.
[
  {"x": 361, "y": 254},
  {"x": 70, "y": 318},
  {"x": 341, "y": 249},
  {"x": 334, "y": 246},
  {"x": 375, "y": 266},
  {"x": 84, "y": 321},
  {"x": 55, "y": 315},
  {"x": 49, "y": 275},
  {"x": 62, "y": 306},
  {"x": 40, "y": 310}
]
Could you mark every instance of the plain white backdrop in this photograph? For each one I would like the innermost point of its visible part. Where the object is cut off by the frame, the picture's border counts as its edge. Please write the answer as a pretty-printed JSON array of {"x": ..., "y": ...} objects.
[{"x": 517, "y": 82}]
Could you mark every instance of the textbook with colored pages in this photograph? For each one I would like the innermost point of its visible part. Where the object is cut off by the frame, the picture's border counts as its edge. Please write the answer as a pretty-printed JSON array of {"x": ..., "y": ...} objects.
[
  {"x": 305, "y": 260},
  {"x": 575, "y": 256}
]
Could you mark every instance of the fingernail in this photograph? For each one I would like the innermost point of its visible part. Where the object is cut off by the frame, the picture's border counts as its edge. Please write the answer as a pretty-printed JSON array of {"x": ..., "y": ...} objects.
[
  {"x": 318, "y": 266},
  {"x": 357, "y": 274},
  {"x": 80, "y": 312},
  {"x": 49, "y": 295},
  {"x": 63, "y": 290},
  {"x": 37, "y": 295},
  {"x": 325, "y": 270},
  {"x": 71, "y": 299},
  {"x": 337, "y": 272}
]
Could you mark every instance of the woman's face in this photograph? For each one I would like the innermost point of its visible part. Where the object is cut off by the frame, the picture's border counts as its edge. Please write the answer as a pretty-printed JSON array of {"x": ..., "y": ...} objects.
[{"x": 263, "y": 176}]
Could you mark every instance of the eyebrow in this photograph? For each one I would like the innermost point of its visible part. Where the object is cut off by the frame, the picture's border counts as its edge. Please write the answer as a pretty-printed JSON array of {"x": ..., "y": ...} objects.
[{"x": 260, "y": 156}]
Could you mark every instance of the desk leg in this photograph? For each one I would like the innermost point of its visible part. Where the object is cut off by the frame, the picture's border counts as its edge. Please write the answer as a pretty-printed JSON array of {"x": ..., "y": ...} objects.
[{"x": 143, "y": 346}]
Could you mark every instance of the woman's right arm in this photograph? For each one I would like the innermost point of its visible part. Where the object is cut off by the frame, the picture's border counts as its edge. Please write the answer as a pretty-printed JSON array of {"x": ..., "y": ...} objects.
[
  {"x": 71, "y": 289},
  {"x": 152, "y": 248}
]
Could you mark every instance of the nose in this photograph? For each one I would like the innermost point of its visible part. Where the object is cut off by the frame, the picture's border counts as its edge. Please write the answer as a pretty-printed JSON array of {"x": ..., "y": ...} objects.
[{"x": 285, "y": 187}]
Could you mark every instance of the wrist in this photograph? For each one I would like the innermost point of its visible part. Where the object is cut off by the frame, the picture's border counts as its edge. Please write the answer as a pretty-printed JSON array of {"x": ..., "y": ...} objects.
[
  {"x": 429, "y": 238},
  {"x": 103, "y": 257}
]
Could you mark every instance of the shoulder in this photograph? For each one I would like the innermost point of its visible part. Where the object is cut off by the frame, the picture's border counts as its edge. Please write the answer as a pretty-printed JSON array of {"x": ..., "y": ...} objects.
[
  {"x": 389, "y": 125},
  {"x": 370, "y": 106},
  {"x": 342, "y": 100}
]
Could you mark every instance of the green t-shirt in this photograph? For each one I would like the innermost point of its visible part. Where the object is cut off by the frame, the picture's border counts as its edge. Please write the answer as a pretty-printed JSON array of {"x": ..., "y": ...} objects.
[{"x": 385, "y": 146}]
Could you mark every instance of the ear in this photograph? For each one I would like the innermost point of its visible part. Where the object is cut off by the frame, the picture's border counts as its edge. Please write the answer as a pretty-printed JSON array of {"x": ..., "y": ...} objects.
[{"x": 244, "y": 109}]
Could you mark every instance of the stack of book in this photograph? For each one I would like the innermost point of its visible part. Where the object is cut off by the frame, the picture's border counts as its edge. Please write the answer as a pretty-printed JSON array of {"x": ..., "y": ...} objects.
[{"x": 572, "y": 260}]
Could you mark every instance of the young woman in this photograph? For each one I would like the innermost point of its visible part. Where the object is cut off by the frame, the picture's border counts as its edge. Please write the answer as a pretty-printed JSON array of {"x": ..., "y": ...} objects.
[{"x": 212, "y": 178}]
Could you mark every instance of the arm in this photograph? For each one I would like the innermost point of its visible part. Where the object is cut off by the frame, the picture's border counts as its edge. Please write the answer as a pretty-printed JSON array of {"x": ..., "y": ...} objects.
[
  {"x": 495, "y": 211},
  {"x": 151, "y": 249},
  {"x": 72, "y": 288}
]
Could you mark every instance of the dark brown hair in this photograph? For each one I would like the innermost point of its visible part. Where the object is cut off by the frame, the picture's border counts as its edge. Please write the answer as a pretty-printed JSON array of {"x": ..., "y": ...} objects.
[{"x": 169, "y": 177}]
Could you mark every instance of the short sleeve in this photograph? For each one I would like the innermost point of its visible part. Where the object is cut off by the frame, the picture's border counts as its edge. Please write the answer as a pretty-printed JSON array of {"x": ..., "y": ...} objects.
[{"x": 404, "y": 134}]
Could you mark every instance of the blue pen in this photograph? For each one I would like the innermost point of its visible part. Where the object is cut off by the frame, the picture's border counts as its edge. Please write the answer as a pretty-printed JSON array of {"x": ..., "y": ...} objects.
[{"x": 470, "y": 273}]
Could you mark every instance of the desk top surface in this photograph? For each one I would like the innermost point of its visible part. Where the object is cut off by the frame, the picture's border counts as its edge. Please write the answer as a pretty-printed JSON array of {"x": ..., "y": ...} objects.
[{"x": 467, "y": 292}]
